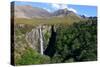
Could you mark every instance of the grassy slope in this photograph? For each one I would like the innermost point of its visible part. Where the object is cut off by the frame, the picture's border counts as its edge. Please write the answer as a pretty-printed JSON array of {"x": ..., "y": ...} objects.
[{"x": 53, "y": 20}]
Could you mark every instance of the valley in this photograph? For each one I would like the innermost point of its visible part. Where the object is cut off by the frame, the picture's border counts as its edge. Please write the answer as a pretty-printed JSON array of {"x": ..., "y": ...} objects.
[{"x": 42, "y": 37}]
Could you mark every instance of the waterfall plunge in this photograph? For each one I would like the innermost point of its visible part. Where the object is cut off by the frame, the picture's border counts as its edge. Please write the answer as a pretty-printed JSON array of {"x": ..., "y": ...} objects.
[{"x": 41, "y": 41}]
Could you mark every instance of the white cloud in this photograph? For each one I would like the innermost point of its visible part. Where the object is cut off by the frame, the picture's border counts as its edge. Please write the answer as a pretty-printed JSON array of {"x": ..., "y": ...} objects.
[
  {"x": 47, "y": 9},
  {"x": 62, "y": 6},
  {"x": 71, "y": 9},
  {"x": 59, "y": 6}
]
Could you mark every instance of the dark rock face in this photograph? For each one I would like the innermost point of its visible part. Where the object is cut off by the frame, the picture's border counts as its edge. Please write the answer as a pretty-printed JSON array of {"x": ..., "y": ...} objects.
[{"x": 50, "y": 50}]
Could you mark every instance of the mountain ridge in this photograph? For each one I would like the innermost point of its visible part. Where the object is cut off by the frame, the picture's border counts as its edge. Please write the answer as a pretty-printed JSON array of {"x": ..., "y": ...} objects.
[{"x": 28, "y": 11}]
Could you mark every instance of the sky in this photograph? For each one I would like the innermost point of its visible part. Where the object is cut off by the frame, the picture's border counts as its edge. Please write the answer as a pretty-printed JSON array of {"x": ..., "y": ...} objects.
[{"x": 51, "y": 7}]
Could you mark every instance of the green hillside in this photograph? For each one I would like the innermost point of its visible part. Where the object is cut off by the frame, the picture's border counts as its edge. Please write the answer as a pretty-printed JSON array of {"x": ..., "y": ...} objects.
[{"x": 54, "y": 20}]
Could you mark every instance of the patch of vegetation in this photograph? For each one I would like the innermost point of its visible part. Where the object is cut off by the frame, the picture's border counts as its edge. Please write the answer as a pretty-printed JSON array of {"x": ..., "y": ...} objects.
[
  {"x": 30, "y": 56},
  {"x": 78, "y": 42},
  {"x": 20, "y": 42},
  {"x": 24, "y": 54},
  {"x": 47, "y": 36}
]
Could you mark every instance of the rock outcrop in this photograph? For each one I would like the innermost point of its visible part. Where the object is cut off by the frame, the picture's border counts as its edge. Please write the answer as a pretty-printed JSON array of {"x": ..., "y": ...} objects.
[{"x": 33, "y": 37}]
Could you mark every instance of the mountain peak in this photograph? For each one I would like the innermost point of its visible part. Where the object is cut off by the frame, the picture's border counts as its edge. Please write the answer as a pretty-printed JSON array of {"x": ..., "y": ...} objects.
[
  {"x": 62, "y": 12},
  {"x": 65, "y": 9}
]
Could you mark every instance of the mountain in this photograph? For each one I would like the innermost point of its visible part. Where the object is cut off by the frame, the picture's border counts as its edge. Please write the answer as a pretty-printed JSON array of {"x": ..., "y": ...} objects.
[
  {"x": 27, "y": 11},
  {"x": 65, "y": 12}
]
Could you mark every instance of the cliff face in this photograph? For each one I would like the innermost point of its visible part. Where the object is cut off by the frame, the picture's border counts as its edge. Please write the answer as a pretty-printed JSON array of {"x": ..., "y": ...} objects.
[{"x": 33, "y": 37}]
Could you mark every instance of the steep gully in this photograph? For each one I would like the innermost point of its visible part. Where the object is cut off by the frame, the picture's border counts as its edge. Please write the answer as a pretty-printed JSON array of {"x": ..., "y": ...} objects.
[{"x": 50, "y": 50}]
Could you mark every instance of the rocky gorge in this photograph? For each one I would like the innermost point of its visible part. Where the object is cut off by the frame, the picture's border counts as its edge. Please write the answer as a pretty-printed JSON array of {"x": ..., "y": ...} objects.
[{"x": 38, "y": 38}]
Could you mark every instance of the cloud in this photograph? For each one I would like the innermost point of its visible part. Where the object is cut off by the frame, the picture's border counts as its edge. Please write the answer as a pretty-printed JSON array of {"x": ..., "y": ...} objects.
[
  {"x": 71, "y": 9},
  {"x": 62, "y": 6},
  {"x": 58, "y": 6},
  {"x": 47, "y": 9}
]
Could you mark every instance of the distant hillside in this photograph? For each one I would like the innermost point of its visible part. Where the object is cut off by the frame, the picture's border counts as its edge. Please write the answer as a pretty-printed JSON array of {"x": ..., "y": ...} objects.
[{"x": 30, "y": 12}]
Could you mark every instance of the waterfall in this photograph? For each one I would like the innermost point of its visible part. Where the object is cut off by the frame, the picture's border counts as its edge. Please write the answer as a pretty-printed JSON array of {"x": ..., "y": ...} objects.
[{"x": 41, "y": 41}]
